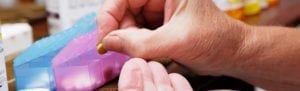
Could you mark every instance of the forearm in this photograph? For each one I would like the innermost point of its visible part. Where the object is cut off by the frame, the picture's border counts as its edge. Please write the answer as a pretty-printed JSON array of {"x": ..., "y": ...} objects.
[{"x": 270, "y": 57}]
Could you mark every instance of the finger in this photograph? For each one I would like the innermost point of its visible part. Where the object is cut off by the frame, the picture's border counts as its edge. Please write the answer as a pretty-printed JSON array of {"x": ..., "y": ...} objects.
[
  {"x": 131, "y": 77},
  {"x": 110, "y": 16},
  {"x": 154, "y": 13},
  {"x": 146, "y": 74},
  {"x": 170, "y": 8},
  {"x": 160, "y": 77},
  {"x": 179, "y": 83},
  {"x": 135, "y": 6},
  {"x": 128, "y": 21},
  {"x": 113, "y": 12},
  {"x": 134, "y": 42}
]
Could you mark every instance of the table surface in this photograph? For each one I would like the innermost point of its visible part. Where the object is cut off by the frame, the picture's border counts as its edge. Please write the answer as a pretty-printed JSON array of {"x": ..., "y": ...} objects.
[{"x": 284, "y": 14}]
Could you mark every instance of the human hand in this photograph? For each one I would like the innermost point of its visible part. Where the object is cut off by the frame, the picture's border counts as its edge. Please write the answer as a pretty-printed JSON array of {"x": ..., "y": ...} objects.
[
  {"x": 121, "y": 14},
  {"x": 194, "y": 33},
  {"x": 137, "y": 75}
]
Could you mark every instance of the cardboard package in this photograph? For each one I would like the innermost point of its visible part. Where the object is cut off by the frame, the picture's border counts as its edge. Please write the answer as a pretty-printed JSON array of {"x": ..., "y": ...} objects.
[
  {"x": 3, "y": 78},
  {"x": 62, "y": 14}
]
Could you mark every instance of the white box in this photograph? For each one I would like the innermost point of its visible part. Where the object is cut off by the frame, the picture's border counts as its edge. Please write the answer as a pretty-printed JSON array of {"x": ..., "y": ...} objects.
[
  {"x": 7, "y": 3},
  {"x": 3, "y": 78},
  {"x": 62, "y": 14},
  {"x": 16, "y": 37}
]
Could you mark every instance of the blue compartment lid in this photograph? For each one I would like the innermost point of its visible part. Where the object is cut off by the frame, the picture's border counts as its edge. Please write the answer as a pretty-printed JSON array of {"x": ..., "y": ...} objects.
[{"x": 57, "y": 41}]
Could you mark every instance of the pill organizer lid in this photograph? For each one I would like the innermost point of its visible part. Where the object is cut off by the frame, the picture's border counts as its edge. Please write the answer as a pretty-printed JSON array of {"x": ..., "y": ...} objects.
[{"x": 57, "y": 41}]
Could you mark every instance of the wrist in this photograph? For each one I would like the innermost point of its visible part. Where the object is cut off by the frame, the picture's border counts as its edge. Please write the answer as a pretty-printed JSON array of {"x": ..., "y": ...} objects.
[
  {"x": 242, "y": 46},
  {"x": 248, "y": 50},
  {"x": 226, "y": 50}
]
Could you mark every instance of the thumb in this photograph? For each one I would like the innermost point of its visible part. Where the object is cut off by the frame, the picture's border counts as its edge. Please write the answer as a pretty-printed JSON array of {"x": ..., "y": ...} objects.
[{"x": 135, "y": 42}]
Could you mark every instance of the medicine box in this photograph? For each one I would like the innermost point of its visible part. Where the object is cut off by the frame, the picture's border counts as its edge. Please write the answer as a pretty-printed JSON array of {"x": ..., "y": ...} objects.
[
  {"x": 3, "y": 78},
  {"x": 62, "y": 14},
  {"x": 32, "y": 68},
  {"x": 16, "y": 37}
]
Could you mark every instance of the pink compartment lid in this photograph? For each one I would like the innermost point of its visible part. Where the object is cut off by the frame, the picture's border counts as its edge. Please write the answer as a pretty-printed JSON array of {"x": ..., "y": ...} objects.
[{"x": 78, "y": 66}]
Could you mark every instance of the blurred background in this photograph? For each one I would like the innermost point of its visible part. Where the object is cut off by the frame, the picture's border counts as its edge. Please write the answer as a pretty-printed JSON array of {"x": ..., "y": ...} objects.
[{"x": 25, "y": 21}]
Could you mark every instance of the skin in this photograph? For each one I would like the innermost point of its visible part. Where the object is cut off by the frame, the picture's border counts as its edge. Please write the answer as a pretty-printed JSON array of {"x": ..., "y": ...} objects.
[
  {"x": 138, "y": 75},
  {"x": 203, "y": 39}
]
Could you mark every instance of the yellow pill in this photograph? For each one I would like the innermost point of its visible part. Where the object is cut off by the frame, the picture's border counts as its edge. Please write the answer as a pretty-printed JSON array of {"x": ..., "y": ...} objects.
[
  {"x": 252, "y": 8},
  {"x": 101, "y": 49}
]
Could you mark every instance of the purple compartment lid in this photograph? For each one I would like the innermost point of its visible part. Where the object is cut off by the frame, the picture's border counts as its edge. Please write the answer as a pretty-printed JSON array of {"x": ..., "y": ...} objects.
[
  {"x": 80, "y": 58},
  {"x": 80, "y": 46}
]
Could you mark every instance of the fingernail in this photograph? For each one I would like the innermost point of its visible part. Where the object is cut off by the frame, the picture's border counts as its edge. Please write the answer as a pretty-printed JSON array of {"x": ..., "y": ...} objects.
[{"x": 101, "y": 49}]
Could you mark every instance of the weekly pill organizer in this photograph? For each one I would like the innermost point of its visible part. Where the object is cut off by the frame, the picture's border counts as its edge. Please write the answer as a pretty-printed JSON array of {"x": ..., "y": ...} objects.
[{"x": 69, "y": 57}]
